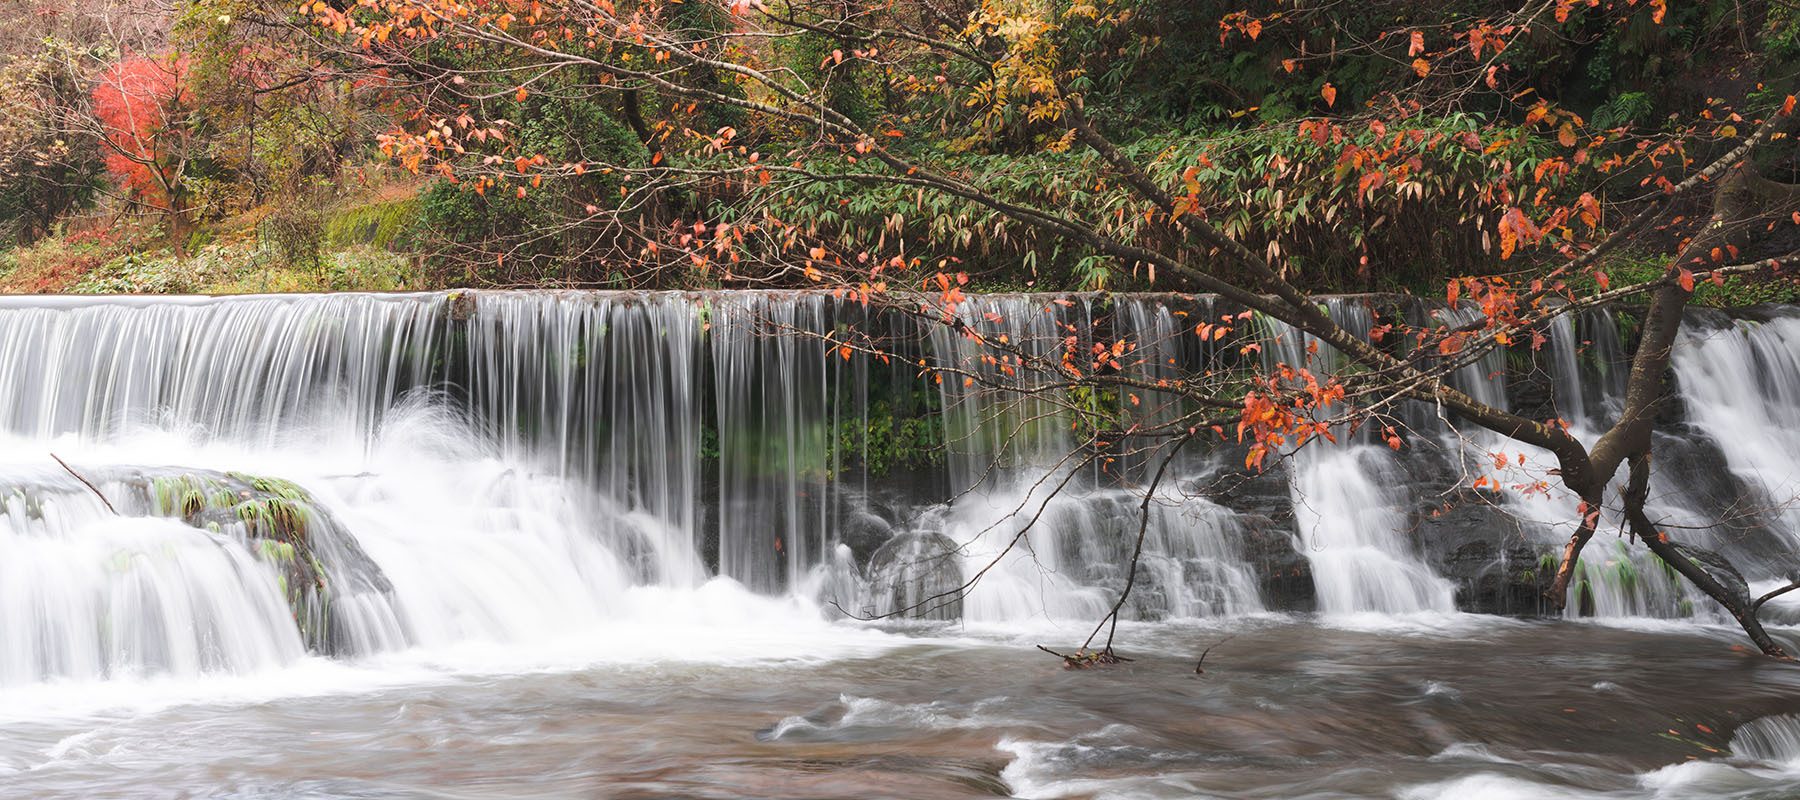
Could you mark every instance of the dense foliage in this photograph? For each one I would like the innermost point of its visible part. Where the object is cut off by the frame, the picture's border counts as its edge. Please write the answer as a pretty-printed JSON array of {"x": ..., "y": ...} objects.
[{"x": 216, "y": 107}]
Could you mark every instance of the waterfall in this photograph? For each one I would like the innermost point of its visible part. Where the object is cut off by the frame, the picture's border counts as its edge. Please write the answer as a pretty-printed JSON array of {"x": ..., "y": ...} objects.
[
  {"x": 85, "y": 594},
  {"x": 1350, "y": 498},
  {"x": 351, "y": 475},
  {"x": 1741, "y": 386}
]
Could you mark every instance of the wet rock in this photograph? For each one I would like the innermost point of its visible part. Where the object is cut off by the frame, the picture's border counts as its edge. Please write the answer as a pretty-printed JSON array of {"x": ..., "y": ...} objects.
[
  {"x": 1500, "y": 577},
  {"x": 911, "y": 569},
  {"x": 1265, "y": 507},
  {"x": 319, "y": 563}
]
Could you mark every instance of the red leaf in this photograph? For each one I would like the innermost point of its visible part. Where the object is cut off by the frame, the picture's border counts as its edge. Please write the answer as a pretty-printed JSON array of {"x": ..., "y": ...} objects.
[{"x": 1686, "y": 279}]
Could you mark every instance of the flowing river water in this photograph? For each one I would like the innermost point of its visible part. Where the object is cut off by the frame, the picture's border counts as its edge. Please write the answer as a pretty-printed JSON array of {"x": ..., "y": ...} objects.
[{"x": 580, "y": 545}]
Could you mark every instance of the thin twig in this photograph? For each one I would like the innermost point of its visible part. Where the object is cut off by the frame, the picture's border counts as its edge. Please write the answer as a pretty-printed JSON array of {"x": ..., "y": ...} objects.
[
  {"x": 1197, "y": 669},
  {"x": 84, "y": 482}
]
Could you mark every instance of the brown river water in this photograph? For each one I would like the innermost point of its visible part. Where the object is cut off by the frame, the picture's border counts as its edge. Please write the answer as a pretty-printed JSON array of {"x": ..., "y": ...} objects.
[{"x": 1450, "y": 707}]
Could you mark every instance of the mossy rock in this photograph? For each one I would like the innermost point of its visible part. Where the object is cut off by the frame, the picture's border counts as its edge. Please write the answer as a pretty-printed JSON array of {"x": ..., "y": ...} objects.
[{"x": 283, "y": 527}]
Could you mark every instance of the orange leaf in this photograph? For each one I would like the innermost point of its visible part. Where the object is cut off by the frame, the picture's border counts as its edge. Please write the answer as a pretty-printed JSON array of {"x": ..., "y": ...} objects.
[
  {"x": 521, "y": 94},
  {"x": 1590, "y": 209},
  {"x": 1686, "y": 279},
  {"x": 1786, "y": 108},
  {"x": 1289, "y": 64},
  {"x": 1418, "y": 44},
  {"x": 1421, "y": 67},
  {"x": 1329, "y": 93},
  {"x": 1254, "y": 28}
]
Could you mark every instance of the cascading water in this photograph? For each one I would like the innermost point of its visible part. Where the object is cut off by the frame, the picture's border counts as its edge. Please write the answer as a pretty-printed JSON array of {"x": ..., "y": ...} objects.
[
  {"x": 1741, "y": 386},
  {"x": 514, "y": 467},
  {"x": 88, "y": 595},
  {"x": 509, "y": 467},
  {"x": 1350, "y": 500}
]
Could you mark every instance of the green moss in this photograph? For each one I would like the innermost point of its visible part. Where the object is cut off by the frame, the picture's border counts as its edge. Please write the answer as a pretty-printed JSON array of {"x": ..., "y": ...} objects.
[
  {"x": 187, "y": 495},
  {"x": 386, "y": 226}
]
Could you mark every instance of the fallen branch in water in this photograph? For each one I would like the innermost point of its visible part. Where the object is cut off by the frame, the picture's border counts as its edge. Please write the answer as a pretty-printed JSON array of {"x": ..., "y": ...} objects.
[
  {"x": 84, "y": 482},
  {"x": 1197, "y": 669},
  {"x": 1083, "y": 659}
]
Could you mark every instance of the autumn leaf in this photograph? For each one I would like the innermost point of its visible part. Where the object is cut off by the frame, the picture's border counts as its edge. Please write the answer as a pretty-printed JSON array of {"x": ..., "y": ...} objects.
[
  {"x": 1329, "y": 92},
  {"x": 521, "y": 94},
  {"x": 1686, "y": 279},
  {"x": 1421, "y": 67},
  {"x": 1590, "y": 209},
  {"x": 1289, "y": 65},
  {"x": 1418, "y": 44}
]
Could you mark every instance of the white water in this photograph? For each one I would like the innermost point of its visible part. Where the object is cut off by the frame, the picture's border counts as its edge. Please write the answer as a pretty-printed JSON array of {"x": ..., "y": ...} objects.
[
  {"x": 91, "y": 596},
  {"x": 517, "y": 472},
  {"x": 522, "y": 470},
  {"x": 1352, "y": 501},
  {"x": 1348, "y": 502},
  {"x": 1741, "y": 385}
]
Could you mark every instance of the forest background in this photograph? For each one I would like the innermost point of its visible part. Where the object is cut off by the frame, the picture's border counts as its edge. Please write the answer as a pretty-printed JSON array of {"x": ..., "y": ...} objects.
[{"x": 247, "y": 145}]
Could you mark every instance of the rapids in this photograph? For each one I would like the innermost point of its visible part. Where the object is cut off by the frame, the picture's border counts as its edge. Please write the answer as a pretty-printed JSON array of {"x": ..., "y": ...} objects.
[{"x": 474, "y": 545}]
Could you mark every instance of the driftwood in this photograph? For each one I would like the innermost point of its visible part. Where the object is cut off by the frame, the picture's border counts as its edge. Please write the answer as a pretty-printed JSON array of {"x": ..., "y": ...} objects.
[{"x": 1086, "y": 659}]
